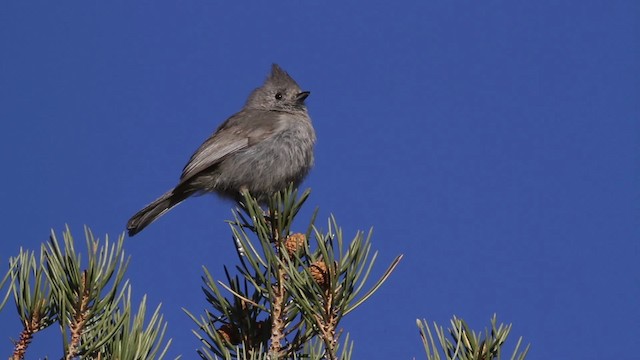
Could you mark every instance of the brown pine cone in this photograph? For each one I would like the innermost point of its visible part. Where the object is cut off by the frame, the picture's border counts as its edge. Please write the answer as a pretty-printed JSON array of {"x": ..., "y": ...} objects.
[
  {"x": 230, "y": 334},
  {"x": 320, "y": 273},
  {"x": 294, "y": 243}
]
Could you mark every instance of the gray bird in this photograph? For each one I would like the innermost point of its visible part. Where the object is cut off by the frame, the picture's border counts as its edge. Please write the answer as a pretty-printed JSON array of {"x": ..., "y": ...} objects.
[{"x": 261, "y": 149}]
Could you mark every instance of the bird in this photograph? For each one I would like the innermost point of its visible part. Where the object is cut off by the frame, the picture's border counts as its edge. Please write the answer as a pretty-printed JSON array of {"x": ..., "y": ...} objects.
[{"x": 262, "y": 149}]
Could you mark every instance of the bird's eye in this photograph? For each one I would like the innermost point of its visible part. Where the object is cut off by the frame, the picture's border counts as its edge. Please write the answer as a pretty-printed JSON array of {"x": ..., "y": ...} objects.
[{"x": 278, "y": 96}]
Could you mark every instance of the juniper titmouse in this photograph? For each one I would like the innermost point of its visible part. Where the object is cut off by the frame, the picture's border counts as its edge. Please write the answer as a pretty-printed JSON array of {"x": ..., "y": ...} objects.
[{"x": 262, "y": 148}]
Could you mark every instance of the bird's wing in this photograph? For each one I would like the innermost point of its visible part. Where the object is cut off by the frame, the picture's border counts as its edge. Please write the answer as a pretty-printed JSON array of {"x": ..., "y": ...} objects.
[{"x": 239, "y": 132}]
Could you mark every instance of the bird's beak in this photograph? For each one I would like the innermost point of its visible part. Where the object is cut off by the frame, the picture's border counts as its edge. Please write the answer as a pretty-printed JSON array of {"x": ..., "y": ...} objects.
[{"x": 303, "y": 95}]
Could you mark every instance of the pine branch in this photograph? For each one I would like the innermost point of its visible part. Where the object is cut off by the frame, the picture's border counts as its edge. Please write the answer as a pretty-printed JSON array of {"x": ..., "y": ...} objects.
[
  {"x": 87, "y": 301},
  {"x": 466, "y": 344},
  {"x": 300, "y": 293},
  {"x": 32, "y": 296}
]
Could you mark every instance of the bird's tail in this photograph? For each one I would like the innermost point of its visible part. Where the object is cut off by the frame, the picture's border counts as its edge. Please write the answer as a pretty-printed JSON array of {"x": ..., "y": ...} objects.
[{"x": 156, "y": 209}]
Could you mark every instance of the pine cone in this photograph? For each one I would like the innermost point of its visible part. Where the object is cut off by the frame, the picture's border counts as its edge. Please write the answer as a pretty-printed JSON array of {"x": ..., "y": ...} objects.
[
  {"x": 230, "y": 334},
  {"x": 320, "y": 273},
  {"x": 294, "y": 243}
]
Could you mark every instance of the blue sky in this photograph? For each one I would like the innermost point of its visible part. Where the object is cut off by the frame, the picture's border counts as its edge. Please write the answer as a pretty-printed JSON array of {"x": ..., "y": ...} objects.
[{"x": 493, "y": 143}]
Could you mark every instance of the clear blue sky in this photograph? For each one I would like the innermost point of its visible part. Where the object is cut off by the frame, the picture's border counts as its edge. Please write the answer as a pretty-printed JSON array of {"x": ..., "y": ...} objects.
[{"x": 494, "y": 143}]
